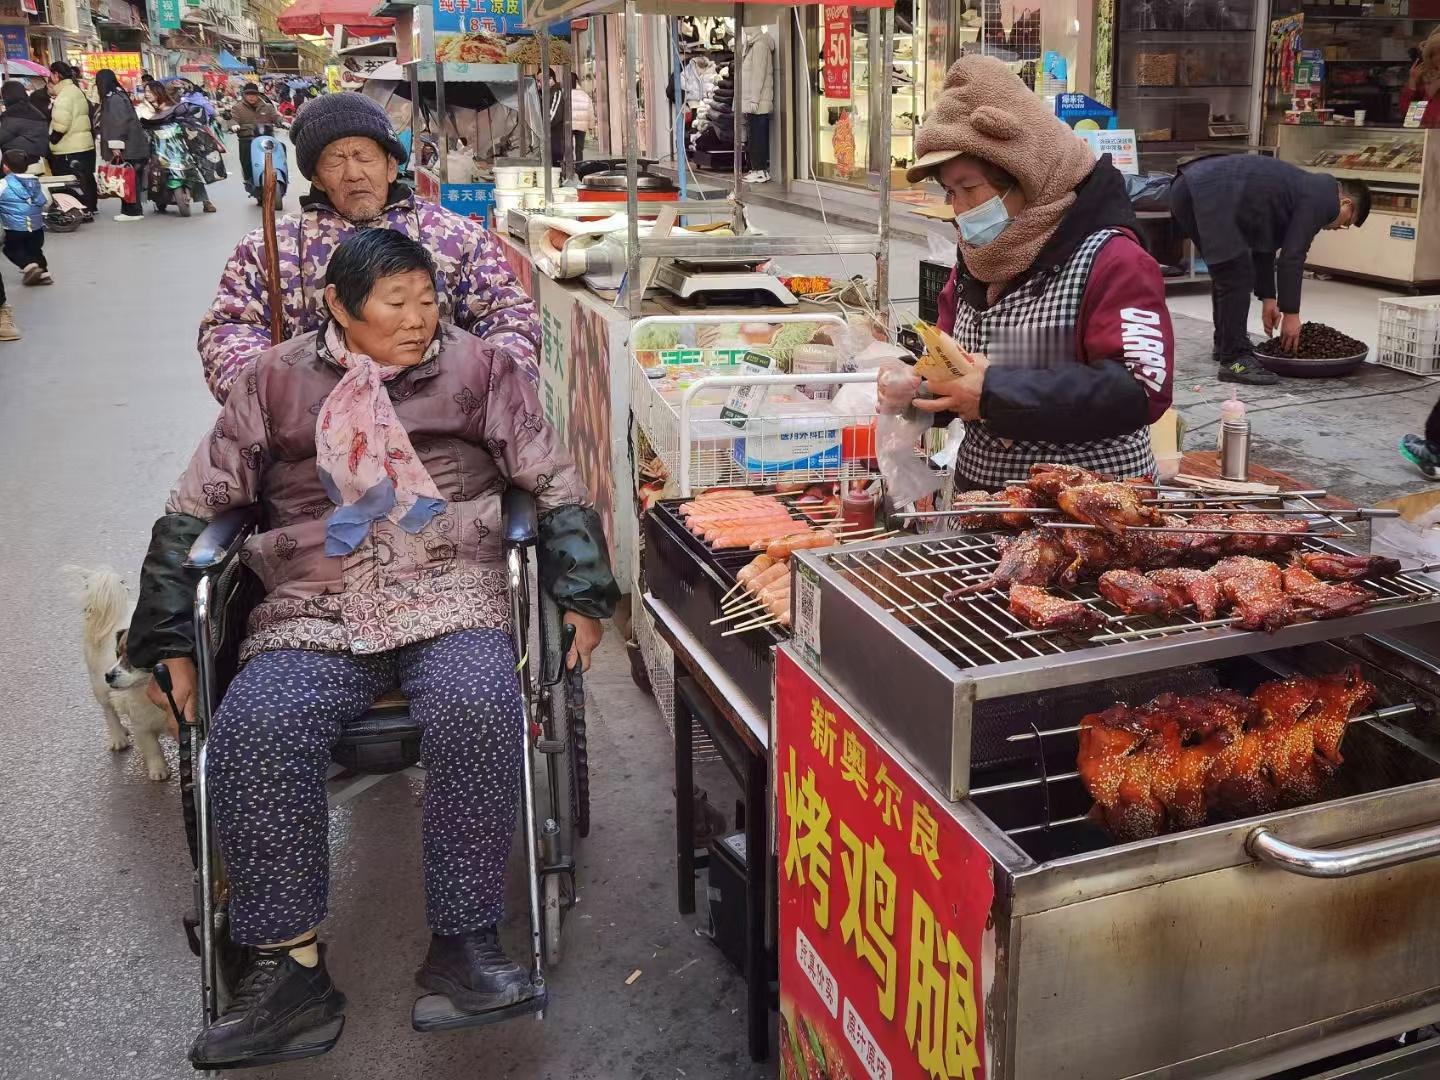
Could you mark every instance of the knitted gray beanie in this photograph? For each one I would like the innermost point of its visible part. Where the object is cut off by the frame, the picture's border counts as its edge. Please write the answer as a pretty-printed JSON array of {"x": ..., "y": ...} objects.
[{"x": 339, "y": 116}]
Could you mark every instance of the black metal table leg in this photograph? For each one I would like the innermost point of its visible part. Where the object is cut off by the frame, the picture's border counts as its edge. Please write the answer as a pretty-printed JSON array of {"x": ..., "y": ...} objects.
[{"x": 684, "y": 805}]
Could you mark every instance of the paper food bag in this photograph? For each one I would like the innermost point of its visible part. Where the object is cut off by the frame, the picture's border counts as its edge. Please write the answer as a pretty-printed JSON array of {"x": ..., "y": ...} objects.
[{"x": 1415, "y": 534}]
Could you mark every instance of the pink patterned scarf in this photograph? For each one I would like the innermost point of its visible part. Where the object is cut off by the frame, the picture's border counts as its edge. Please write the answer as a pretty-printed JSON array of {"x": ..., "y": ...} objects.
[{"x": 364, "y": 455}]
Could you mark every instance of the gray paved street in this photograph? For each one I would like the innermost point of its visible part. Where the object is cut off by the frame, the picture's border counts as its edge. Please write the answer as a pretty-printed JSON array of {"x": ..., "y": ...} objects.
[{"x": 100, "y": 406}]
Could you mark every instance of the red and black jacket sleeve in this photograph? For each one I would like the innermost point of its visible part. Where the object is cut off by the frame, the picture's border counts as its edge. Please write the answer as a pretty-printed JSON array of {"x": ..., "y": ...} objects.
[{"x": 1125, "y": 352}]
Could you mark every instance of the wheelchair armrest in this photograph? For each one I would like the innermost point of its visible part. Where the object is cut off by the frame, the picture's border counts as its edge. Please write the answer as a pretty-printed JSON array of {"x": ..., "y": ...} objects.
[
  {"x": 519, "y": 518},
  {"x": 222, "y": 538}
]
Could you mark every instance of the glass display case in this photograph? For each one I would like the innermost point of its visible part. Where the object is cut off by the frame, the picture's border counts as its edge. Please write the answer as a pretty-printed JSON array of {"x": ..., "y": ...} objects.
[
  {"x": 1400, "y": 241},
  {"x": 1184, "y": 74},
  {"x": 1368, "y": 50}
]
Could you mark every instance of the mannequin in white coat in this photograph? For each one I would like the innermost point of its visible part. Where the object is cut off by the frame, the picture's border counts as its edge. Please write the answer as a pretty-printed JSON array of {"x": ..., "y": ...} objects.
[{"x": 757, "y": 87}]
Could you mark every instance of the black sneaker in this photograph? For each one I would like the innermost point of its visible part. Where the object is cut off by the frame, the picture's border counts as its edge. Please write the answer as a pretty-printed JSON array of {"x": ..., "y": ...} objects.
[
  {"x": 1247, "y": 370},
  {"x": 473, "y": 971},
  {"x": 276, "y": 1004},
  {"x": 1416, "y": 450}
]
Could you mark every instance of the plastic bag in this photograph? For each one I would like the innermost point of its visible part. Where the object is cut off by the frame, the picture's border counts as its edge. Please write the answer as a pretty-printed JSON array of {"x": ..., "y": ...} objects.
[
  {"x": 1149, "y": 192},
  {"x": 116, "y": 182},
  {"x": 899, "y": 427}
]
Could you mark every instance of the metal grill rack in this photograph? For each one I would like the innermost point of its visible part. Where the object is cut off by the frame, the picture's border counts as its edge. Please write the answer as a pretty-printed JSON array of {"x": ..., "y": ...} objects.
[
  {"x": 1040, "y": 801},
  {"x": 910, "y": 583}
]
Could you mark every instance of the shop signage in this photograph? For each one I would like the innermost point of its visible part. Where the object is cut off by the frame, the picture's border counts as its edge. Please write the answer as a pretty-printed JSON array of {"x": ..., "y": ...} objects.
[
  {"x": 1084, "y": 112},
  {"x": 469, "y": 200},
  {"x": 835, "y": 71},
  {"x": 1405, "y": 230},
  {"x": 471, "y": 16},
  {"x": 883, "y": 904},
  {"x": 1119, "y": 144},
  {"x": 17, "y": 44},
  {"x": 122, "y": 63},
  {"x": 167, "y": 14}
]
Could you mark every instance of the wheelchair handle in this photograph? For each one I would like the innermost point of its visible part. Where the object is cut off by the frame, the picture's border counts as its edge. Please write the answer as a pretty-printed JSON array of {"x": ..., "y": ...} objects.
[
  {"x": 567, "y": 642},
  {"x": 167, "y": 687}
]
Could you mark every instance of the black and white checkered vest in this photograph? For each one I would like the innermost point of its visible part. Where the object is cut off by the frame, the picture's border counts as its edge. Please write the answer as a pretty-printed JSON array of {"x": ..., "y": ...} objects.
[{"x": 1035, "y": 326}]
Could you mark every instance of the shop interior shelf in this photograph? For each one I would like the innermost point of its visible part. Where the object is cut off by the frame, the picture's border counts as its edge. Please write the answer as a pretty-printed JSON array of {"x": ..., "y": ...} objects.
[{"x": 1410, "y": 177}]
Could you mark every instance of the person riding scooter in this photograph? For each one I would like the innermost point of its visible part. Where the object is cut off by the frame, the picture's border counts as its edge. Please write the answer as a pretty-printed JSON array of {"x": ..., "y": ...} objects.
[{"x": 251, "y": 113}]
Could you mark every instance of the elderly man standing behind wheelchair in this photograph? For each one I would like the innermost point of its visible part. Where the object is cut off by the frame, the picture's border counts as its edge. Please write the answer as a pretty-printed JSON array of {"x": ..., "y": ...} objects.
[
  {"x": 376, "y": 449},
  {"x": 345, "y": 147}
]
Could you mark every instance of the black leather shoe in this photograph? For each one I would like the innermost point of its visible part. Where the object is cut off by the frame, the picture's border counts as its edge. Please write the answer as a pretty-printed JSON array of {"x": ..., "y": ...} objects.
[
  {"x": 277, "y": 1004},
  {"x": 473, "y": 971}
]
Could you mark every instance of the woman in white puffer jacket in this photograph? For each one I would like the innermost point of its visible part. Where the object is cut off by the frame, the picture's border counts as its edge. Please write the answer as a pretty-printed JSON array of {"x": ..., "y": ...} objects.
[{"x": 582, "y": 115}]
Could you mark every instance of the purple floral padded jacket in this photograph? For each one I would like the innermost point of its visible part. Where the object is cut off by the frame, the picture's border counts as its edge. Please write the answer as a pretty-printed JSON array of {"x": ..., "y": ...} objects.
[
  {"x": 474, "y": 422},
  {"x": 474, "y": 284}
]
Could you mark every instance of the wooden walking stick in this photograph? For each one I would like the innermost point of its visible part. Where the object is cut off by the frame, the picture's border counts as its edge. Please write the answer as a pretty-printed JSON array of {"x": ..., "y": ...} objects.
[{"x": 272, "y": 251}]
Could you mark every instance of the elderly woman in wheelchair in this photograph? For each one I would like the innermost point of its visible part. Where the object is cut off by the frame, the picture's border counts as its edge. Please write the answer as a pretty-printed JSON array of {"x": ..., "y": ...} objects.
[{"x": 376, "y": 451}]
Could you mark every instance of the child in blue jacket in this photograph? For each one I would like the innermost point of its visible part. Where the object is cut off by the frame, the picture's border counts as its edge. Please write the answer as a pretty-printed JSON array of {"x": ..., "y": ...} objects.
[{"x": 22, "y": 212}]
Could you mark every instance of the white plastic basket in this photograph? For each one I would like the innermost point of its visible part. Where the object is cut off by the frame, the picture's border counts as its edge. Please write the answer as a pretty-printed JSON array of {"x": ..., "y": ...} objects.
[{"x": 1410, "y": 334}]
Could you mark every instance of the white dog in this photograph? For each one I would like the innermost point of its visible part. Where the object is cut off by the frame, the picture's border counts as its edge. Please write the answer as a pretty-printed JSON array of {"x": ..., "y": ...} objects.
[{"x": 118, "y": 687}]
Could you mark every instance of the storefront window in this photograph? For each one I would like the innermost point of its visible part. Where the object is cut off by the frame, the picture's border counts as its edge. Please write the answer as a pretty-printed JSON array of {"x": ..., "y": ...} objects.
[{"x": 1040, "y": 42}]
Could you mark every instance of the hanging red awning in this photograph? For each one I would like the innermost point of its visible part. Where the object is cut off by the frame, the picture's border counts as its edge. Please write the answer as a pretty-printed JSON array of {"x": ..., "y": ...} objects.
[{"x": 322, "y": 16}]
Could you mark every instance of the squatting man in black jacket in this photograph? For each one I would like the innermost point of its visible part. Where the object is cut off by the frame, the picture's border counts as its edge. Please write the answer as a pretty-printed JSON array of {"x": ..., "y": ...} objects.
[{"x": 1241, "y": 210}]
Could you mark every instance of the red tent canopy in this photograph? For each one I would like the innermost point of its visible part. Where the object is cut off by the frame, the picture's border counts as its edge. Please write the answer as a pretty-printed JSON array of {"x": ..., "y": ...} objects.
[{"x": 322, "y": 16}]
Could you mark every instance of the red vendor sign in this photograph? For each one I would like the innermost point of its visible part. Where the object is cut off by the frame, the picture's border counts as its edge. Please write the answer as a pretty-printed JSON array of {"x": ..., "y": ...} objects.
[
  {"x": 836, "y": 68},
  {"x": 884, "y": 900}
]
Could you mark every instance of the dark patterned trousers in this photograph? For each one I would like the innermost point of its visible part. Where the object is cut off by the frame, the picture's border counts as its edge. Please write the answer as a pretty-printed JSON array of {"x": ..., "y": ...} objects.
[{"x": 269, "y": 751}]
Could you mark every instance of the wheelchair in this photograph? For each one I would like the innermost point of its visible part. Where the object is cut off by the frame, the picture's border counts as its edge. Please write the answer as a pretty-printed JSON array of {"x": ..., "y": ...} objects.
[{"x": 555, "y": 788}]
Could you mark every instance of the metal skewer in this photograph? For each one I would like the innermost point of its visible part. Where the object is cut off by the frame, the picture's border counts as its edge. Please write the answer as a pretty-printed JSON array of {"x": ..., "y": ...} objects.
[
  {"x": 1047, "y": 825},
  {"x": 1195, "y": 529},
  {"x": 762, "y": 623},
  {"x": 1386, "y": 712}
]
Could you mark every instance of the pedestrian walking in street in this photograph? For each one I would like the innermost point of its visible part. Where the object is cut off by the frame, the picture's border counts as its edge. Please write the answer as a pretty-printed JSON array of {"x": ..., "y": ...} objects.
[
  {"x": 8, "y": 330},
  {"x": 184, "y": 156},
  {"x": 22, "y": 125},
  {"x": 424, "y": 568},
  {"x": 22, "y": 212},
  {"x": 1240, "y": 210},
  {"x": 345, "y": 147},
  {"x": 582, "y": 115},
  {"x": 72, "y": 139},
  {"x": 122, "y": 136}
]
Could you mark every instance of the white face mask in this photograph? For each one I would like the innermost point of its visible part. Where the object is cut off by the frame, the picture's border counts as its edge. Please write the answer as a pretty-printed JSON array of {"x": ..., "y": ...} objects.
[{"x": 983, "y": 223}]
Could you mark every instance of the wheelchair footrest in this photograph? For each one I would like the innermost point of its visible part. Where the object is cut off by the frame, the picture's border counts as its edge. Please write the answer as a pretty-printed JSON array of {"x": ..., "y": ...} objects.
[
  {"x": 308, "y": 1044},
  {"x": 436, "y": 1012}
]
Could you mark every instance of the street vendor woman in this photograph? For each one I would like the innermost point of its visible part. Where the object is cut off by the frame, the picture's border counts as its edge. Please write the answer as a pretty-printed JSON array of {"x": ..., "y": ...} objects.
[
  {"x": 1060, "y": 313},
  {"x": 345, "y": 147},
  {"x": 1240, "y": 210}
]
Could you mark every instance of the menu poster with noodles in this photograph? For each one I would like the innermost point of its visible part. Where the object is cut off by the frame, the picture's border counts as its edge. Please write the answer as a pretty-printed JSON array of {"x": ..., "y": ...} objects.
[
  {"x": 836, "y": 68},
  {"x": 884, "y": 900}
]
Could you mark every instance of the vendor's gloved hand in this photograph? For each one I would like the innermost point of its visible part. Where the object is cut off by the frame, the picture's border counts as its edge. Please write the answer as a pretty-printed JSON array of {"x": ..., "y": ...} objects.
[
  {"x": 588, "y": 632},
  {"x": 182, "y": 686},
  {"x": 896, "y": 386},
  {"x": 1290, "y": 331},
  {"x": 1270, "y": 316}
]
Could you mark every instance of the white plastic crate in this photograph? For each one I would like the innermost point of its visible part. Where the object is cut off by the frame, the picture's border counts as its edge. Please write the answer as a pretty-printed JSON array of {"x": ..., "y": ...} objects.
[{"x": 1410, "y": 334}]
